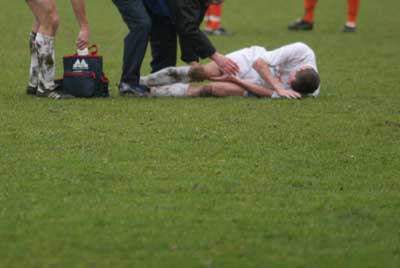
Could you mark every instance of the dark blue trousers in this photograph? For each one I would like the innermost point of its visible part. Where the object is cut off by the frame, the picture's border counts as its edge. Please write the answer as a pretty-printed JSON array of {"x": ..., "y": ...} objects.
[
  {"x": 138, "y": 20},
  {"x": 144, "y": 24}
]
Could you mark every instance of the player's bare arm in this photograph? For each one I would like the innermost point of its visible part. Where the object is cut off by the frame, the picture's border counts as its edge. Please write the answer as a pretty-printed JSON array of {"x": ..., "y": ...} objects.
[
  {"x": 253, "y": 88},
  {"x": 263, "y": 70},
  {"x": 80, "y": 14}
]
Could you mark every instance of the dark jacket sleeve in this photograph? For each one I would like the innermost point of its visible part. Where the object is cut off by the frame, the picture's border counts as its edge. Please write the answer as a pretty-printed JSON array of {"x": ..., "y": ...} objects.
[{"x": 188, "y": 16}]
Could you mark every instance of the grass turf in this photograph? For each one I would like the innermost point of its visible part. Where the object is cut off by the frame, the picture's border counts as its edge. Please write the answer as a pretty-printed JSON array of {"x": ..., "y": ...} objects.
[{"x": 231, "y": 182}]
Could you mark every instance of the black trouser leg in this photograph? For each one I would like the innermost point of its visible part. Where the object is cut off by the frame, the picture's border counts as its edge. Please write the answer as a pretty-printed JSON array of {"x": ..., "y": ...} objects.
[
  {"x": 163, "y": 43},
  {"x": 188, "y": 53}
]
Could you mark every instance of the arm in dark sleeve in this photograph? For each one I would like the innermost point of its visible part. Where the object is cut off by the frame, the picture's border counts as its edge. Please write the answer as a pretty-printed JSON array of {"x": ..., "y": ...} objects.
[
  {"x": 188, "y": 15},
  {"x": 188, "y": 54}
]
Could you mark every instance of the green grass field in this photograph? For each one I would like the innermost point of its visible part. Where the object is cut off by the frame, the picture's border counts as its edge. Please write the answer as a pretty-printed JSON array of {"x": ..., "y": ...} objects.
[{"x": 234, "y": 182}]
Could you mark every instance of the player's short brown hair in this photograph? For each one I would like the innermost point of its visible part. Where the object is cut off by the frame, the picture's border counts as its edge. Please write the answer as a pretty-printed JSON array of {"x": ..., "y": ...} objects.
[{"x": 306, "y": 82}]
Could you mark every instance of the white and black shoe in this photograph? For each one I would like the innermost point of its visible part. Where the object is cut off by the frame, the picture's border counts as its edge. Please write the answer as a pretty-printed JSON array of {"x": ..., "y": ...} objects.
[{"x": 54, "y": 94}]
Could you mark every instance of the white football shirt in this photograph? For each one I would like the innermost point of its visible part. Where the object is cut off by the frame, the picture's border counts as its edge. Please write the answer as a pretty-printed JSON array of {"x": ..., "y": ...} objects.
[{"x": 282, "y": 61}]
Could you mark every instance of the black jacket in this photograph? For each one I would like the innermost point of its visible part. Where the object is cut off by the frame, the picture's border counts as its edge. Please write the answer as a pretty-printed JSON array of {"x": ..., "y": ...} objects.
[{"x": 188, "y": 16}]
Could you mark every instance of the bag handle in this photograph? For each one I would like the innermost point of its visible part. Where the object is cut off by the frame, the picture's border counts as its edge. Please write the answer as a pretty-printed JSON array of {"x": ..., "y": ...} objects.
[{"x": 93, "y": 50}]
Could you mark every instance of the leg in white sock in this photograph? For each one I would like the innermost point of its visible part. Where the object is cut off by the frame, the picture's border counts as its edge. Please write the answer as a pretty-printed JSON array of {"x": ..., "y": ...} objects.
[
  {"x": 167, "y": 76},
  {"x": 46, "y": 62},
  {"x": 34, "y": 66},
  {"x": 174, "y": 90}
]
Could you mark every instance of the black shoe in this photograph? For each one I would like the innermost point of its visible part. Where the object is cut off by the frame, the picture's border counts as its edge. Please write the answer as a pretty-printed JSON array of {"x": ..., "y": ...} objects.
[
  {"x": 220, "y": 31},
  {"x": 349, "y": 29},
  {"x": 136, "y": 91},
  {"x": 301, "y": 25},
  {"x": 31, "y": 90},
  {"x": 54, "y": 94}
]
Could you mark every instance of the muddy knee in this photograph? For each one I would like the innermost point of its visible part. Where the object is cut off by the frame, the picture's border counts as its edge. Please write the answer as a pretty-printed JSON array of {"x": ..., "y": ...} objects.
[{"x": 206, "y": 91}]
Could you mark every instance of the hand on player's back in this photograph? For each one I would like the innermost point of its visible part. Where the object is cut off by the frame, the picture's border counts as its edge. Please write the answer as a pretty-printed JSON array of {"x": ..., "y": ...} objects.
[{"x": 226, "y": 64}]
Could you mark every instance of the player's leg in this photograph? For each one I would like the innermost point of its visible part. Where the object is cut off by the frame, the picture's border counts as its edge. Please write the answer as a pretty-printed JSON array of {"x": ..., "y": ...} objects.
[
  {"x": 207, "y": 15},
  {"x": 137, "y": 18},
  {"x": 213, "y": 20},
  {"x": 45, "y": 11},
  {"x": 215, "y": 89},
  {"x": 167, "y": 76},
  {"x": 36, "y": 11},
  {"x": 34, "y": 65},
  {"x": 163, "y": 41},
  {"x": 47, "y": 14},
  {"x": 172, "y": 90},
  {"x": 309, "y": 8},
  {"x": 352, "y": 11},
  {"x": 307, "y": 21},
  {"x": 182, "y": 74}
]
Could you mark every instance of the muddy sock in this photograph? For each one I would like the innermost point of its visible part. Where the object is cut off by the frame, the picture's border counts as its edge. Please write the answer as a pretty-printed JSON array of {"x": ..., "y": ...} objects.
[
  {"x": 167, "y": 76},
  {"x": 34, "y": 68},
  {"x": 46, "y": 62},
  {"x": 174, "y": 90}
]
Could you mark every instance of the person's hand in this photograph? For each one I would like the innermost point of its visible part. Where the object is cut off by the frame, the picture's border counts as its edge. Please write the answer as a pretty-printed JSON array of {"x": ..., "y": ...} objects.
[
  {"x": 83, "y": 38},
  {"x": 290, "y": 94},
  {"x": 226, "y": 64}
]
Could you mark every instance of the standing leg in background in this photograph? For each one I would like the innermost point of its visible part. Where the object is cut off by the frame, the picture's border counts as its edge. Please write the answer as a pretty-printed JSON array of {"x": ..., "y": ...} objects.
[
  {"x": 213, "y": 20},
  {"x": 352, "y": 11},
  {"x": 306, "y": 23}
]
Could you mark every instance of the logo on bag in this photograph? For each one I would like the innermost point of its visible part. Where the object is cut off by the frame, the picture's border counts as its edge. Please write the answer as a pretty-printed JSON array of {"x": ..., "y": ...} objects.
[{"x": 80, "y": 65}]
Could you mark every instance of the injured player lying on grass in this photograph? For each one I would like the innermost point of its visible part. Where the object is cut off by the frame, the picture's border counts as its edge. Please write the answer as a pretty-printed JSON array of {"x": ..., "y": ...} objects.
[{"x": 289, "y": 71}]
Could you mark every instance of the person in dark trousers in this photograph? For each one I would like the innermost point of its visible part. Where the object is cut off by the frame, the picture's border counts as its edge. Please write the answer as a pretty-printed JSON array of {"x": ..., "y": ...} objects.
[
  {"x": 42, "y": 45},
  {"x": 161, "y": 21},
  {"x": 138, "y": 20},
  {"x": 212, "y": 20},
  {"x": 164, "y": 36},
  {"x": 188, "y": 16},
  {"x": 171, "y": 19},
  {"x": 147, "y": 20}
]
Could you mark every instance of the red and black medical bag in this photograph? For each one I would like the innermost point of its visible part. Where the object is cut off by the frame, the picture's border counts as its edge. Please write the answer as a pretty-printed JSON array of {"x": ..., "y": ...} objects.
[{"x": 84, "y": 76}]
